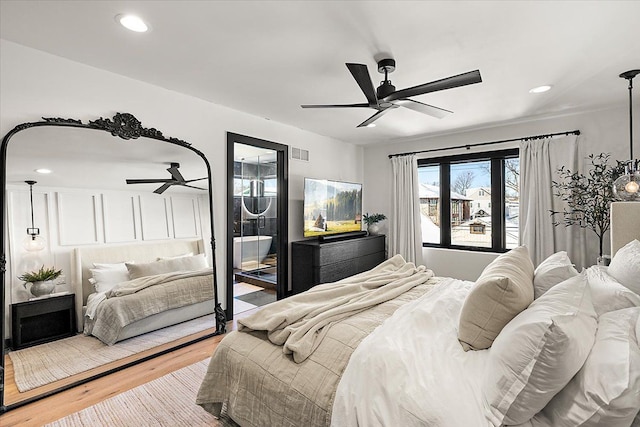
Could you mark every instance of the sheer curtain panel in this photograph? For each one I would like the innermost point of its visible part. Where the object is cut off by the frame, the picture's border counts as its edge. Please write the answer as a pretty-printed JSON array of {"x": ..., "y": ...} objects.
[
  {"x": 539, "y": 163},
  {"x": 405, "y": 237}
]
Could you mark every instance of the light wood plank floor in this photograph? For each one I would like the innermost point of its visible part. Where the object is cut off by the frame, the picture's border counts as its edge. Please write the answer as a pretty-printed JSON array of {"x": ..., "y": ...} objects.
[{"x": 75, "y": 399}]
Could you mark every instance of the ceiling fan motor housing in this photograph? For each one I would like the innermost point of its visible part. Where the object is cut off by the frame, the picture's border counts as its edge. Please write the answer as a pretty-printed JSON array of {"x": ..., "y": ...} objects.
[{"x": 385, "y": 89}]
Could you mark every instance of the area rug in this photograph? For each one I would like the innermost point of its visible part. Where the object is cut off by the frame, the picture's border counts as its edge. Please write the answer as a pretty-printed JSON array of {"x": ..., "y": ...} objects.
[
  {"x": 43, "y": 364},
  {"x": 166, "y": 401}
]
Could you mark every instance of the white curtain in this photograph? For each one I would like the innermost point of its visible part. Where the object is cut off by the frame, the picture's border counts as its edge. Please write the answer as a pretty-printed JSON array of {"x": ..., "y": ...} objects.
[
  {"x": 539, "y": 163},
  {"x": 405, "y": 236}
]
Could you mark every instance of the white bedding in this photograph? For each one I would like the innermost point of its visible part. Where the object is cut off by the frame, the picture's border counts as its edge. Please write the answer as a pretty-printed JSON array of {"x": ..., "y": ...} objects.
[{"x": 422, "y": 378}]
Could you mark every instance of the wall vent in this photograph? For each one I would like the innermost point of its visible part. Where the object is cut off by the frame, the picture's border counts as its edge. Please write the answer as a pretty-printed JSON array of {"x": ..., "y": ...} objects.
[{"x": 299, "y": 154}]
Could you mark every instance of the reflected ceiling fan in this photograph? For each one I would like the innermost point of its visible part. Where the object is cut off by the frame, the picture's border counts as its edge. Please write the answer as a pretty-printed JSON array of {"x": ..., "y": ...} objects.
[
  {"x": 176, "y": 179},
  {"x": 386, "y": 97}
]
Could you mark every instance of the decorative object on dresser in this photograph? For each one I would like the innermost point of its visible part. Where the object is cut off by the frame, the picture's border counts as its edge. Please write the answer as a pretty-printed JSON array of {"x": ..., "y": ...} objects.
[
  {"x": 627, "y": 186},
  {"x": 373, "y": 221},
  {"x": 314, "y": 262},
  {"x": 42, "y": 320}
]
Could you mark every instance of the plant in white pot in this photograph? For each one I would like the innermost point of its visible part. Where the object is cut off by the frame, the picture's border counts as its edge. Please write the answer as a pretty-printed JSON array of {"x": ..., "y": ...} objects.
[
  {"x": 42, "y": 280},
  {"x": 373, "y": 221}
]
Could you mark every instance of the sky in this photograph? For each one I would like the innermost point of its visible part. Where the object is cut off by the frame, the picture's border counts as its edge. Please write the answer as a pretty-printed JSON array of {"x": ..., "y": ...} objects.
[{"x": 482, "y": 177}]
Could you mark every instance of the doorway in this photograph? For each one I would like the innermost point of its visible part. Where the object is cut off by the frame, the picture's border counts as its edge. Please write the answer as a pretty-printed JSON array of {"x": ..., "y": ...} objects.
[{"x": 257, "y": 220}]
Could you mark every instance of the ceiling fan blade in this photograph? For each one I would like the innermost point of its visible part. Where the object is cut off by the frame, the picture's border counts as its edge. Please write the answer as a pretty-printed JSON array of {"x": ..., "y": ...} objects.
[
  {"x": 196, "y": 179},
  {"x": 420, "y": 107},
  {"x": 193, "y": 186},
  {"x": 361, "y": 74},
  {"x": 464, "y": 79},
  {"x": 147, "y": 181},
  {"x": 375, "y": 117},
  {"x": 175, "y": 173},
  {"x": 337, "y": 106},
  {"x": 162, "y": 188}
]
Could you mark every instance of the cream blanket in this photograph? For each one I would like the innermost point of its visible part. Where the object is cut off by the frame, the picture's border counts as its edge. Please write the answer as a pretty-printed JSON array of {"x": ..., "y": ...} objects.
[{"x": 300, "y": 322}]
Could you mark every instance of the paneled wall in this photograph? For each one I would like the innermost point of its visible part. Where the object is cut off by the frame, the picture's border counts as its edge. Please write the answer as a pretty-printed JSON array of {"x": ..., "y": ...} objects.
[{"x": 69, "y": 218}]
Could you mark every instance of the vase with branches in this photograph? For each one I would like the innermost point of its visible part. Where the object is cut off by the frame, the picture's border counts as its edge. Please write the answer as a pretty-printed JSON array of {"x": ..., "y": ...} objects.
[{"x": 587, "y": 196}]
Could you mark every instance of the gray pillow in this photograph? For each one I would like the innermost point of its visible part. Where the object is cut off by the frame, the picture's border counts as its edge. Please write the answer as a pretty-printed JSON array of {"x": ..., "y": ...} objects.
[
  {"x": 503, "y": 290},
  {"x": 188, "y": 263}
]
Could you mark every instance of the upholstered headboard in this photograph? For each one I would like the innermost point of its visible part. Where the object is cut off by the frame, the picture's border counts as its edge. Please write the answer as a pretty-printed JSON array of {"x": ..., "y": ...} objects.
[
  {"x": 84, "y": 257},
  {"x": 625, "y": 224}
]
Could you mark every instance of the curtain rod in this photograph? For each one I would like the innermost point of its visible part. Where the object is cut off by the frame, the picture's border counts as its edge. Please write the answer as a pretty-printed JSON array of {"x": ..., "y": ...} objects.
[{"x": 468, "y": 146}]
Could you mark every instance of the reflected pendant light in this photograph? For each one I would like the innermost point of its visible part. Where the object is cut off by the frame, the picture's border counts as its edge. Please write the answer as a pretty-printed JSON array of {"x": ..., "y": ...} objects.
[
  {"x": 33, "y": 242},
  {"x": 627, "y": 186}
]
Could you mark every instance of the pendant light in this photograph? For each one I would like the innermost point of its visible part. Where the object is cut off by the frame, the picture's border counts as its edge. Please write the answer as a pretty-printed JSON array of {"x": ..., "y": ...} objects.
[
  {"x": 627, "y": 186},
  {"x": 33, "y": 242}
]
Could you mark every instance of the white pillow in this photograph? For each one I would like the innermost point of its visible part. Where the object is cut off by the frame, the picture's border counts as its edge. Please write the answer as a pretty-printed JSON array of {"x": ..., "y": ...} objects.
[
  {"x": 196, "y": 262},
  {"x": 162, "y": 258},
  {"x": 106, "y": 278},
  {"x": 553, "y": 270},
  {"x": 606, "y": 391},
  {"x": 117, "y": 265},
  {"x": 625, "y": 266},
  {"x": 538, "y": 352},
  {"x": 606, "y": 293}
]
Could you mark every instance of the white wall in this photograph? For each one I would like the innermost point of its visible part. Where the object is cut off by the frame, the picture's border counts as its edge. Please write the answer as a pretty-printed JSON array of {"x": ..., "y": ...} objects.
[
  {"x": 34, "y": 84},
  {"x": 601, "y": 131}
]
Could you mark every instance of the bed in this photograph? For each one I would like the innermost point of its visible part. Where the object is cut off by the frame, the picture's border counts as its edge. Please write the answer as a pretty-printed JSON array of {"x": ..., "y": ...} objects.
[
  {"x": 166, "y": 283},
  {"x": 522, "y": 345}
]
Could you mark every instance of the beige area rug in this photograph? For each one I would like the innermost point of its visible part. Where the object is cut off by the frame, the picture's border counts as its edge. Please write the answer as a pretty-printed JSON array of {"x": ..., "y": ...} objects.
[
  {"x": 43, "y": 364},
  {"x": 166, "y": 401}
]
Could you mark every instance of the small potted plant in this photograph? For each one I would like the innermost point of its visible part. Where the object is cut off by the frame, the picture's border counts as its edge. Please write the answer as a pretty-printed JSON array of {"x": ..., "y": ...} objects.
[
  {"x": 42, "y": 280},
  {"x": 372, "y": 222}
]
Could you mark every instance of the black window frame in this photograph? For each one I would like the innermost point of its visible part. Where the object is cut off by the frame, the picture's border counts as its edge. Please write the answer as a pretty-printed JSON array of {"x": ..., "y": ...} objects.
[{"x": 498, "y": 197}]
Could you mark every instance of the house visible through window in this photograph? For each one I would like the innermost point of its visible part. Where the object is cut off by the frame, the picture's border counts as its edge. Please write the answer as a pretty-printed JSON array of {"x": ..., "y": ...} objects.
[{"x": 470, "y": 201}]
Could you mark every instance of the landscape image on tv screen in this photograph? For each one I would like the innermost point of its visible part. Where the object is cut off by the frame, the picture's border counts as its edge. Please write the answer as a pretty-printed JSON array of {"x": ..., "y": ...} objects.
[{"x": 331, "y": 207}]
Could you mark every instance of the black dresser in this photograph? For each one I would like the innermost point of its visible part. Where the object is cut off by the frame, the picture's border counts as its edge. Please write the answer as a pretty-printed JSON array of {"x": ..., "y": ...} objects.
[{"x": 314, "y": 262}]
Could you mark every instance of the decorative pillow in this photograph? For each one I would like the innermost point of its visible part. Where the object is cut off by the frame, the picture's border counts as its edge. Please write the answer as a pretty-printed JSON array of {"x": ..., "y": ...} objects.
[
  {"x": 103, "y": 279},
  {"x": 538, "y": 352},
  {"x": 553, "y": 270},
  {"x": 503, "y": 290},
  {"x": 117, "y": 265},
  {"x": 196, "y": 262},
  {"x": 606, "y": 391},
  {"x": 162, "y": 258},
  {"x": 625, "y": 266},
  {"x": 606, "y": 293}
]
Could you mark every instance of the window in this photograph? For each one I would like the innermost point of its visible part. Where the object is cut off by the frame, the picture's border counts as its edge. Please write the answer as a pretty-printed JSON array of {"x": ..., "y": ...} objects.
[{"x": 470, "y": 201}]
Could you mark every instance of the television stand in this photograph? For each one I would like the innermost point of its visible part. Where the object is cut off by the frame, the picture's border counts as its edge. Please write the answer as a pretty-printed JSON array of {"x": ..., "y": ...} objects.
[
  {"x": 314, "y": 262},
  {"x": 335, "y": 237}
]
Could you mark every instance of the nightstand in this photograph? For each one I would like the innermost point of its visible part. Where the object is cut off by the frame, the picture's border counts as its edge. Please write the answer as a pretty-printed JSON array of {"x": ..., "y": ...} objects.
[{"x": 42, "y": 320}]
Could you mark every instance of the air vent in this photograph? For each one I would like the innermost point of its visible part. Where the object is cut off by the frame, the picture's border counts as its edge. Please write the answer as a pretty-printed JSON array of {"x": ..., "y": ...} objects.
[{"x": 299, "y": 154}]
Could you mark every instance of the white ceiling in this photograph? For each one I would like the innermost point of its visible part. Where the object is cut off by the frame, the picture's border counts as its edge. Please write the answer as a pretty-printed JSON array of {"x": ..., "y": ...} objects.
[{"x": 268, "y": 57}]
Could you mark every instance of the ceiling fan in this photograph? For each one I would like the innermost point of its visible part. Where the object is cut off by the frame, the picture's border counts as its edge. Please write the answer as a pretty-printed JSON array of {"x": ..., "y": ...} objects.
[
  {"x": 176, "y": 179},
  {"x": 386, "y": 97}
]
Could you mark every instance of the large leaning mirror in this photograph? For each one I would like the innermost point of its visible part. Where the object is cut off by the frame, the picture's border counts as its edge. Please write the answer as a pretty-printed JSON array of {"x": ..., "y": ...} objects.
[{"x": 108, "y": 258}]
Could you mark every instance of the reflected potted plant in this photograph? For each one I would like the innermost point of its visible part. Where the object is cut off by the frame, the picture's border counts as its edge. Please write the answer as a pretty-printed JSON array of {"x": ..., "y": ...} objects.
[
  {"x": 42, "y": 280},
  {"x": 372, "y": 221}
]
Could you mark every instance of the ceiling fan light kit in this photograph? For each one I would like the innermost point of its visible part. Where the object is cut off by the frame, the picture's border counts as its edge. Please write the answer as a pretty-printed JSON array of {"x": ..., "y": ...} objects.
[{"x": 385, "y": 97}]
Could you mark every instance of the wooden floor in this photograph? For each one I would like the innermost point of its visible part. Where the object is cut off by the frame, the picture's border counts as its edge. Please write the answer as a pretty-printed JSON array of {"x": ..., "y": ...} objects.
[{"x": 75, "y": 399}]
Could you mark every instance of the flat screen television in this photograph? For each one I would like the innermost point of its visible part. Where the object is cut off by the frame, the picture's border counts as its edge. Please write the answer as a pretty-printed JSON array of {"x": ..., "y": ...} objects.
[{"x": 331, "y": 207}]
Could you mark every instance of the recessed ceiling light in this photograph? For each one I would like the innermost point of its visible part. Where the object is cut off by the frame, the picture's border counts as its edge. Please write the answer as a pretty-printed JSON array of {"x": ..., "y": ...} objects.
[
  {"x": 371, "y": 125},
  {"x": 540, "y": 89},
  {"x": 43, "y": 170},
  {"x": 133, "y": 23}
]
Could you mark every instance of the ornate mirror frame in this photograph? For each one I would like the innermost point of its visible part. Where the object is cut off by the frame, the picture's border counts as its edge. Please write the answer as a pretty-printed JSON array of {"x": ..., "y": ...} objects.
[{"x": 124, "y": 126}]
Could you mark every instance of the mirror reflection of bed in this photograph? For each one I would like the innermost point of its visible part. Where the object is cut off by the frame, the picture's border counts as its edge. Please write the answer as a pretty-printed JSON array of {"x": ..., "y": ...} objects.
[{"x": 87, "y": 215}]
